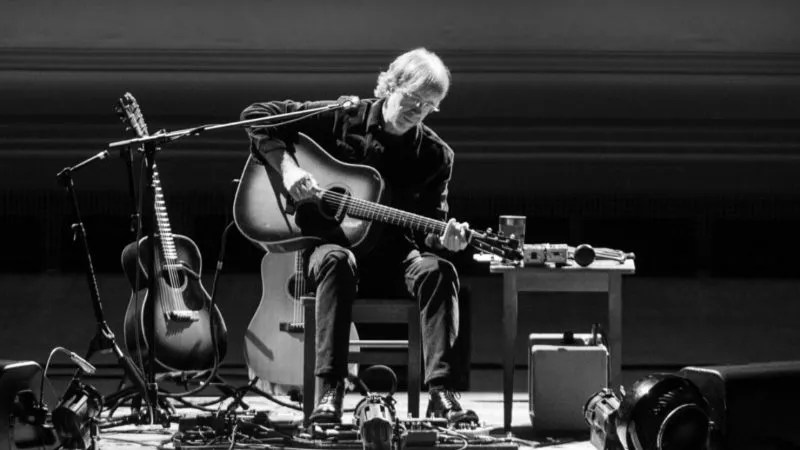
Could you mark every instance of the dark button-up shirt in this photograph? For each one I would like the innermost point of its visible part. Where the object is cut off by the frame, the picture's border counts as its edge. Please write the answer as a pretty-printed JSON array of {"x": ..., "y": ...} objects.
[{"x": 416, "y": 167}]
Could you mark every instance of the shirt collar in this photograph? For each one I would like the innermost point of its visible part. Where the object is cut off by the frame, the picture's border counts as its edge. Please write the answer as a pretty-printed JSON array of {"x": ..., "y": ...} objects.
[{"x": 375, "y": 116}]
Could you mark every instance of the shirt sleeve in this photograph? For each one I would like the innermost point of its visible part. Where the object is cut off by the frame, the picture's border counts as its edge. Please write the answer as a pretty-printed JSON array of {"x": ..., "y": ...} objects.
[
  {"x": 433, "y": 199},
  {"x": 265, "y": 137}
]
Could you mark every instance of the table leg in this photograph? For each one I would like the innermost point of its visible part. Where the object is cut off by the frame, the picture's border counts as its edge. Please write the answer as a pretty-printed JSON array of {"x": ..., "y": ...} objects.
[
  {"x": 309, "y": 359},
  {"x": 509, "y": 340},
  {"x": 615, "y": 328}
]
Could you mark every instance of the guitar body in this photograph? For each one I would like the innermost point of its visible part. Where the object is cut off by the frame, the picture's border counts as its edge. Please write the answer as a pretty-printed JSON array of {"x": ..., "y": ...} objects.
[
  {"x": 265, "y": 214},
  {"x": 179, "y": 344},
  {"x": 272, "y": 354},
  {"x": 347, "y": 209}
]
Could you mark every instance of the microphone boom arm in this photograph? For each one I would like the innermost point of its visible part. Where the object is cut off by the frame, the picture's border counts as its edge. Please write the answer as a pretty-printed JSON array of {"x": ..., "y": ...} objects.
[{"x": 163, "y": 137}]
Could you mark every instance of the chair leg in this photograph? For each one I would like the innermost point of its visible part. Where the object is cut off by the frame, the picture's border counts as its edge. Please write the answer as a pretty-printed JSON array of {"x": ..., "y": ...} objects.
[
  {"x": 309, "y": 360},
  {"x": 414, "y": 361}
]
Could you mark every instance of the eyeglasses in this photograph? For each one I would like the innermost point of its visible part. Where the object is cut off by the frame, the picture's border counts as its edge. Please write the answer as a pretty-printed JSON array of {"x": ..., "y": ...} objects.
[{"x": 413, "y": 100}]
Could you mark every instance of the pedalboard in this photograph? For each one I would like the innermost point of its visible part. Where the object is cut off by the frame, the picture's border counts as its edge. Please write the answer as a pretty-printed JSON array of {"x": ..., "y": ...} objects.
[{"x": 258, "y": 431}]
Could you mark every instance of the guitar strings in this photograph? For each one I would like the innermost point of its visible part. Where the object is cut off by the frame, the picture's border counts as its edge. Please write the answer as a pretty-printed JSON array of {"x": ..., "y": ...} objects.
[
  {"x": 136, "y": 120},
  {"x": 389, "y": 214},
  {"x": 299, "y": 288},
  {"x": 166, "y": 301},
  {"x": 167, "y": 242},
  {"x": 371, "y": 210}
]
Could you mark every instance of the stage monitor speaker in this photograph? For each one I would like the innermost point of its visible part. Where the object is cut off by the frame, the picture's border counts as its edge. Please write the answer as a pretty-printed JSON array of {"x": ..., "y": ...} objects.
[
  {"x": 753, "y": 406},
  {"x": 20, "y": 425}
]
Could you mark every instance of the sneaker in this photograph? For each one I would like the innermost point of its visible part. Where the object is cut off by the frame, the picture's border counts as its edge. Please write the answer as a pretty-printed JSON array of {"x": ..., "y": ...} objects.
[
  {"x": 443, "y": 403},
  {"x": 329, "y": 407}
]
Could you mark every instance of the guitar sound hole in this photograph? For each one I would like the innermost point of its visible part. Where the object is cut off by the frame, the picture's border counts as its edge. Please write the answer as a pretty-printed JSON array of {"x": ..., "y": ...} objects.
[
  {"x": 332, "y": 201},
  {"x": 322, "y": 217},
  {"x": 174, "y": 278},
  {"x": 293, "y": 291}
]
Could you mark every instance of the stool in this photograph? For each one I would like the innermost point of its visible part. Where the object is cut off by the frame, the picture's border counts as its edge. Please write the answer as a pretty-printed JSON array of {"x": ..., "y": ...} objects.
[{"x": 370, "y": 310}]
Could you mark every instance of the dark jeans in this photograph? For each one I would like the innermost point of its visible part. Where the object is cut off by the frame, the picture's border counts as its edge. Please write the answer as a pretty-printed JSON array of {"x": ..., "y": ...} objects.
[{"x": 433, "y": 281}]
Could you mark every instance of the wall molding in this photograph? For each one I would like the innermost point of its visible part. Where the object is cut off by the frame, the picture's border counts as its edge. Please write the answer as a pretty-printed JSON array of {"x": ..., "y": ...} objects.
[
  {"x": 702, "y": 142},
  {"x": 341, "y": 61}
]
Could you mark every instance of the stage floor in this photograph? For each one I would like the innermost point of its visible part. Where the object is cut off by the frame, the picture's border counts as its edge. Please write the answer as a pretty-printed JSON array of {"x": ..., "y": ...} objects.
[{"x": 488, "y": 405}]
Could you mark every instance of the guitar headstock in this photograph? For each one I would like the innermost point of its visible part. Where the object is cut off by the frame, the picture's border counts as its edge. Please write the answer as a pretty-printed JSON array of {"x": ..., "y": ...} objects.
[
  {"x": 504, "y": 247},
  {"x": 129, "y": 112}
]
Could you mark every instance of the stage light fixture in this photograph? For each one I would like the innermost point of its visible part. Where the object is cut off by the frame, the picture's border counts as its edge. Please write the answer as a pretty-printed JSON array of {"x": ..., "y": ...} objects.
[
  {"x": 660, "y": 412},
  {"x": 600, "y": 412}
]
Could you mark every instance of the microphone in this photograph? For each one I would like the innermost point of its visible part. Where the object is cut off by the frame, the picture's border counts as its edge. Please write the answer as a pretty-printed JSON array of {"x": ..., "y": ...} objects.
[
  {"x": 80, "y": 362},
  {"x": 85, "y": 365},
  {"x": 348, "y": 101}
]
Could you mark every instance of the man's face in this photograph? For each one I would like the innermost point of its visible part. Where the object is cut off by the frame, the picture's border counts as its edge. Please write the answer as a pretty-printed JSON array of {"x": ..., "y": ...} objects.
[{"x": 404, "y": 109}]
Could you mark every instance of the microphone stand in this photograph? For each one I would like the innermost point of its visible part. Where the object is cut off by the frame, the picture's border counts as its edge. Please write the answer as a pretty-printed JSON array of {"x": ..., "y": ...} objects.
[
  {"x": 158, "y": 410},
  {"x": 163, "y": 137},
  {"x": 126, "y": 154},
  {"x": 152, "y": 387},
  {"x": 104, "y": 339}
]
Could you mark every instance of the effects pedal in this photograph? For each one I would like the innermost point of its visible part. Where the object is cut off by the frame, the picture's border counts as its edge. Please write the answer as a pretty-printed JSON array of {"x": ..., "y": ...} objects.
[
  {"x": 540, "y": 254},
  {"x": 533, "y": 254}
]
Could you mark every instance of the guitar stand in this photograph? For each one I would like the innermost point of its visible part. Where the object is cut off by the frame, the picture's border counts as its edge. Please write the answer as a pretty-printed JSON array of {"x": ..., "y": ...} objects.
[{"x": 158, "y": 408}]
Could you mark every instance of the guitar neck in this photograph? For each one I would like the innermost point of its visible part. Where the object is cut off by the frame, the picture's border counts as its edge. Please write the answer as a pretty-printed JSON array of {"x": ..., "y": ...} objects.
[
  {"x": 129, "y": 112},
  {"x": 366, "y": 210},
  {"x": 169, "y": 252}
]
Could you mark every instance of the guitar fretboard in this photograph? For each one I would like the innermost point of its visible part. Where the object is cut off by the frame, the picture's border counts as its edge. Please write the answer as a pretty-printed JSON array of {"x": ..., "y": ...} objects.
[
  {"x": 367, "y": 210},
  {"x": 164, "y": 230}
]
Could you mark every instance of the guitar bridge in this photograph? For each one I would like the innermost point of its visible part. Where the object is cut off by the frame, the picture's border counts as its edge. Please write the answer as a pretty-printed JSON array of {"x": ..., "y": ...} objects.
[
  {"x": 183, "y": 316},
  {"x": 292, "y": 327}
]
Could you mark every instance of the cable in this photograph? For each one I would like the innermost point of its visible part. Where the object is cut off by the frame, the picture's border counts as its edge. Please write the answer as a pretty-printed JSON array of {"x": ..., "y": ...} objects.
[
  {"x": 212, "y": 305},
  {"x": 84, "y": 365},
  {"x": 132, "y": 441},
  {"x": 44, "y": 373}
]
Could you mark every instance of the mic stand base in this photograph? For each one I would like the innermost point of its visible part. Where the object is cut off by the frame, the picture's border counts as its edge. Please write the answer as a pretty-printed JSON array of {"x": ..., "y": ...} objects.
[{"x": 161, "y": 413}]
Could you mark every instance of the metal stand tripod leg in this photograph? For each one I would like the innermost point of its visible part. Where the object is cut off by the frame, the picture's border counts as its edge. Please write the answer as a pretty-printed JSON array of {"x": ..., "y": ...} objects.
[{"x": 104, "y": 339}]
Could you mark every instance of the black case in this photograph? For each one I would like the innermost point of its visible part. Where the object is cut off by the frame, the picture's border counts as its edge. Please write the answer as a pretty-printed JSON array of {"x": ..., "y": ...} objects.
[{"x": 754, "y": 406}]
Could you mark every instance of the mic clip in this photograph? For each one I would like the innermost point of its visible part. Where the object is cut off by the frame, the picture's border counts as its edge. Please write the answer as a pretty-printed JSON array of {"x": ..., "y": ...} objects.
[{"x": 347, "y": 102}]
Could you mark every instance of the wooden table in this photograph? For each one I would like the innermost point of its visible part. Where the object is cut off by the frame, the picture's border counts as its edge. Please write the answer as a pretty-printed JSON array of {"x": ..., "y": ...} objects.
[{"x": 600, "y": 276}]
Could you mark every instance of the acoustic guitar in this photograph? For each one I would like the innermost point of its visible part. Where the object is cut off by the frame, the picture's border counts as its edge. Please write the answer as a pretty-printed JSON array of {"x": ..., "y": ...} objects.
[
  {"x": 179, "y": 308},
  {"x": 349, "y": 203},
  {"x": 273, "y": 342}
]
